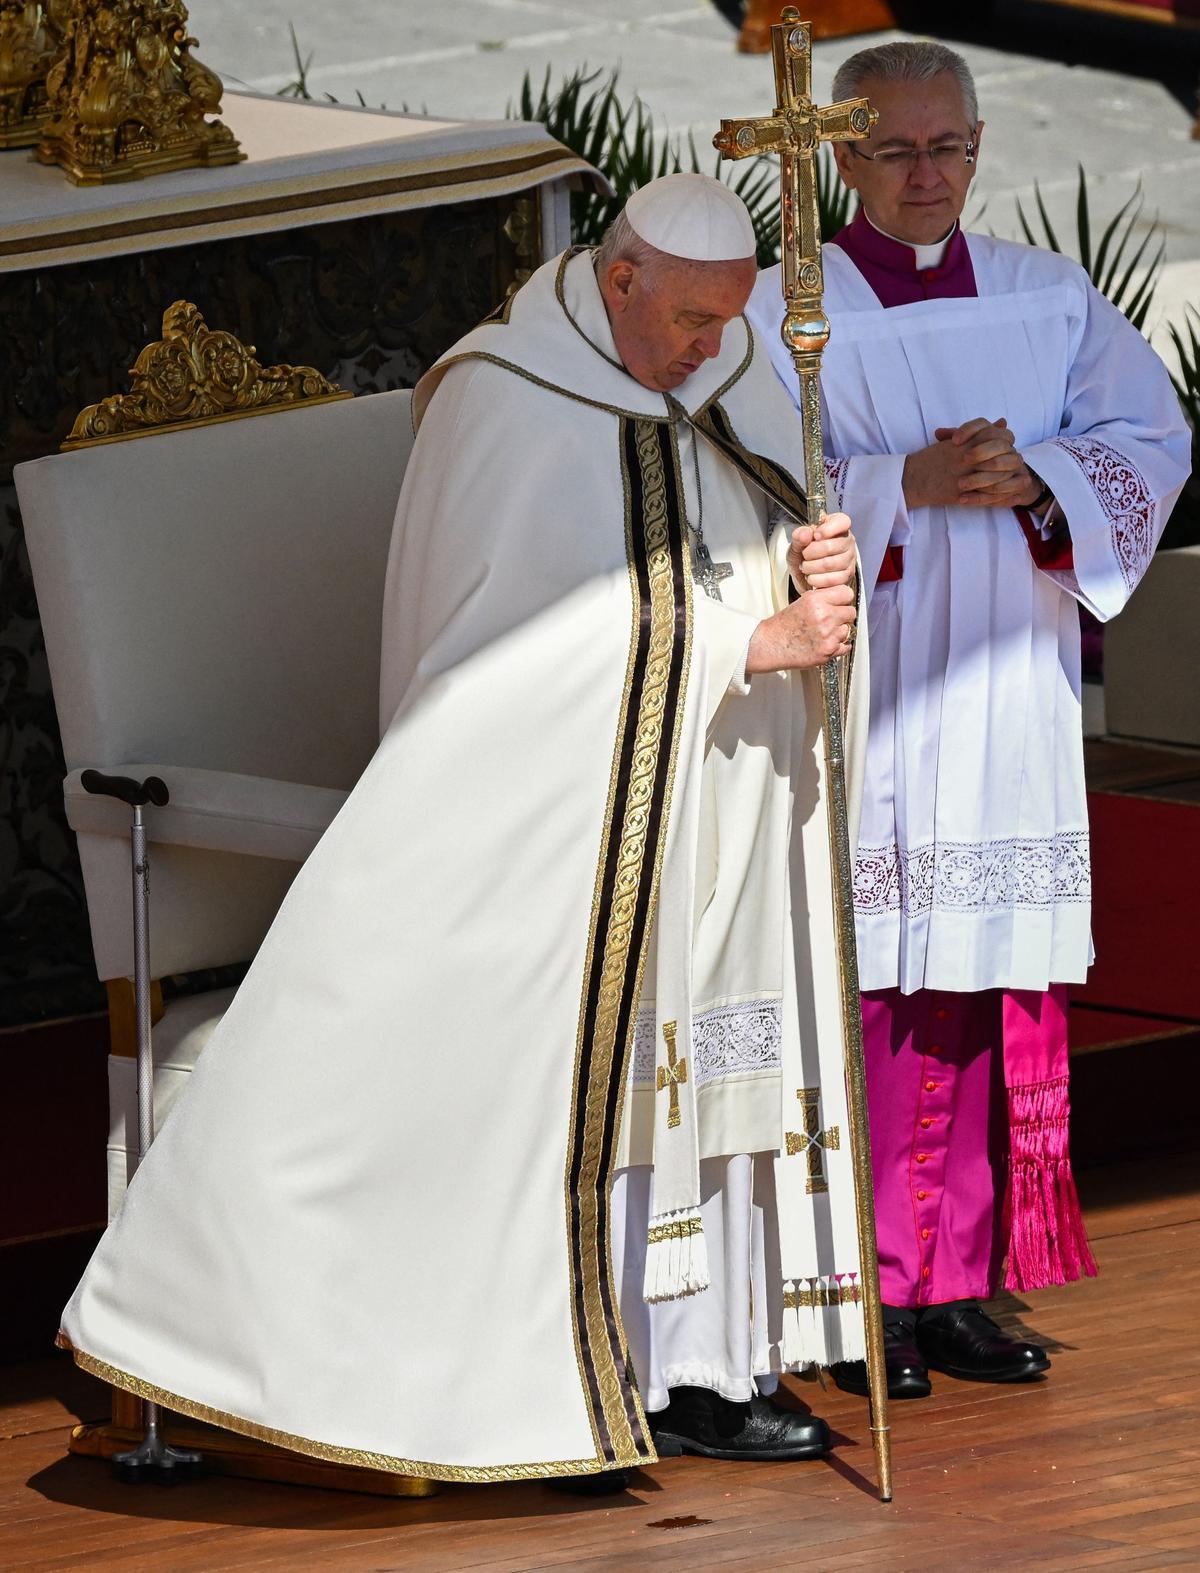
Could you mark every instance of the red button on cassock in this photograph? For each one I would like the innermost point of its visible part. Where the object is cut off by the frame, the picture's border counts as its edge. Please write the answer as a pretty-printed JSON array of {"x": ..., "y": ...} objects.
[
  {"x": 941, "y": 1013},
  {"x": 921, "y": 1195},
  {"x": 924, "y": 1272},
  {"x": 932, "y": 1086},
  {"x": 921, "y": 1157},
  {"x": 924, "y": 1234},
  {"x": 926, "y": 1123},
  {"x": 935, "y": 1048}
]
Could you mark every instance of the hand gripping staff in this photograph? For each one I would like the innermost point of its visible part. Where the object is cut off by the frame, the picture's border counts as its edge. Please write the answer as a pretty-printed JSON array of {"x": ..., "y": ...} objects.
[
  {"x": 153, "y": 1459},
  {"x": 795, "y": 132}
]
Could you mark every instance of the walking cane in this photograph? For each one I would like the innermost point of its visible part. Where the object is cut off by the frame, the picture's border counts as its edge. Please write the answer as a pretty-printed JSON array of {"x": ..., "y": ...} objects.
[{"x": 153, "y": 1458}]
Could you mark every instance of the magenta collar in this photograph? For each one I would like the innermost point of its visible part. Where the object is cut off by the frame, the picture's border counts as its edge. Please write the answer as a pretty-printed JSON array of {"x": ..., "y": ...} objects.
[{"x": 890, "y": 267}]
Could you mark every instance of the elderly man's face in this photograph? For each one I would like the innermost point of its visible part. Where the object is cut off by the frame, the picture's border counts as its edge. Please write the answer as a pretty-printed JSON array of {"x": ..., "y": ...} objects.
[
  {"x": 914, "y": 201},
  {"x": 667, "y": 325}
]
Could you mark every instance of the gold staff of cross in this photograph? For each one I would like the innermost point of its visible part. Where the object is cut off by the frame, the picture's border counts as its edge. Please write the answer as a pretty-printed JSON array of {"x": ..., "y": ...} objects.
[{"x": 795, "y": 132}]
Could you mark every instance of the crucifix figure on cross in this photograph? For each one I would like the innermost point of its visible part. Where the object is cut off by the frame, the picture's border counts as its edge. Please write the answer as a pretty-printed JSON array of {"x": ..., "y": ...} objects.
[
  {"x": 672, "y": 1075},
  {"x": 707, "y": 574}
]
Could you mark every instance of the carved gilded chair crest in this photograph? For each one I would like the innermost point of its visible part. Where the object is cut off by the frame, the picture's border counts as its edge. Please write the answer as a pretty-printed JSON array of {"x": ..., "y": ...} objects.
[
  {"x": 126, "y": 97},
  {"x": 194, "y": 375}
]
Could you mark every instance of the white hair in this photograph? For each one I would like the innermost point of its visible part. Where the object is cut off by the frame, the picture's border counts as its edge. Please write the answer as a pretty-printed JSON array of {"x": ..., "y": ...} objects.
[
  {"x": 622, "y": 243},
  {"x": 909, "y": 60}
]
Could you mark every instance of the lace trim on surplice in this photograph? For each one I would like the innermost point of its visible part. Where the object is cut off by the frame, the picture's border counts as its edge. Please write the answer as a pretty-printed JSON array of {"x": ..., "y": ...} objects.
[
  {"x": 837, "y": 472},
  {"x": 959, "y": 876},
  {"x": 730, "y": 1040},
  {"x": 1123, "y": 496}
]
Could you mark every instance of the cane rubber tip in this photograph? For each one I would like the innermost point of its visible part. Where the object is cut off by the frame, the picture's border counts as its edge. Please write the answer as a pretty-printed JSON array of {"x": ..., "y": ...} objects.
[{"x": 168, "y": 1472}]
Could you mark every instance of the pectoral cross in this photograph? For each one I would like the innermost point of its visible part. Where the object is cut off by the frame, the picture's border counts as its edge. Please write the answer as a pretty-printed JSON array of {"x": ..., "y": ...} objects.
[
  {"x": 795, "y": 131},
  {"x": 812, "y": 1140},
  {"x": 707, "y": 574},
  {"x": 672, "y": 1075}
]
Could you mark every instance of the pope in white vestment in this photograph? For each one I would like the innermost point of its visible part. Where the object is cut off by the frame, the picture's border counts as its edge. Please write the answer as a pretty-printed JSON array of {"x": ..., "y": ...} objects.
[
  {"x": 525, "y": 1121},
  {"x": 1009, "y": 447}
]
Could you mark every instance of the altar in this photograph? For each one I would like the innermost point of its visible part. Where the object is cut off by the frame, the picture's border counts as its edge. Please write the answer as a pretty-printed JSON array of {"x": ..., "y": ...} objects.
[{"x": 357, "y": 241}]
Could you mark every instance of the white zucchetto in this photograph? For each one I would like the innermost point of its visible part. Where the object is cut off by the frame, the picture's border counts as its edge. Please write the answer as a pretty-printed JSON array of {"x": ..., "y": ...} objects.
[{"x": 692, "y": 216}]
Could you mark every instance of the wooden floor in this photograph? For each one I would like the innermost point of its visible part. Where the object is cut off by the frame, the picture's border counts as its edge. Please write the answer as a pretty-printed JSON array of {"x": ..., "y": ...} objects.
[{"x": 1097, "y": 1466}]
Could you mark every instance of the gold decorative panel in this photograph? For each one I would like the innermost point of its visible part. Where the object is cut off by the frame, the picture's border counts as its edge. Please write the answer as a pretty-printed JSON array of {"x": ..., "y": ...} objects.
[{"x": 194, "y": 375}]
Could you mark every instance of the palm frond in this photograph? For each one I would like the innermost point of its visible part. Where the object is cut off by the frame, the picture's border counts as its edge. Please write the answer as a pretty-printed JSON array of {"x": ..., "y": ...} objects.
[
  {"x": 620, "y": 137},
  {"x": 1186, "y": 338},
  {"x": 298, "y": 87},
  {"x": 1118, "y": 267}
]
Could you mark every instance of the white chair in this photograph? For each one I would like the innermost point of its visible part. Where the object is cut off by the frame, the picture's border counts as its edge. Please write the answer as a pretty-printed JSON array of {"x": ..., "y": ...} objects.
[{"x": 211, "y": 598}]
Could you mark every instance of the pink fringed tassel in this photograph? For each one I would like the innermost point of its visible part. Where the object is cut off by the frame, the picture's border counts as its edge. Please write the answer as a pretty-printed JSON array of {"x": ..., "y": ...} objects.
[{"x": 1048, "y": 1242}]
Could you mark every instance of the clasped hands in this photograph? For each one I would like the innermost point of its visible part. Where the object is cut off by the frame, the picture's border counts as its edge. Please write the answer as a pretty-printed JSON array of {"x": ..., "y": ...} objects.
[
  {"x": 975, "y": 465},
  {"x": 820, "y": 624}
]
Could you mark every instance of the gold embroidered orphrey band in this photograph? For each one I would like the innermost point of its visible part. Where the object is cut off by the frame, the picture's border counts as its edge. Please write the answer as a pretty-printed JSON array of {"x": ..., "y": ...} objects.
[
  {"x": 805, "y": 1299},
  {"x": 630, "y": 864},
  {"x": 677, "y": 1229}
]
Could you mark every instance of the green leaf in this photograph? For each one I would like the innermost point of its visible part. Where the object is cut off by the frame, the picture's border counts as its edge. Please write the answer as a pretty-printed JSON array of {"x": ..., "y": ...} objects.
[
  {"x": 1097, "y": 272},
  {"x": 1030, "y": 237},
  {"x": 1187, "y": 380},
  {"x": 1051, "y": 237},
  {"x": 1082, "y": 224}
]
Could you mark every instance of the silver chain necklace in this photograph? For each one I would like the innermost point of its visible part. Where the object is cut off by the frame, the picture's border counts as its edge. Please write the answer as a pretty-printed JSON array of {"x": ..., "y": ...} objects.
[{"x": 706, "y": 573}]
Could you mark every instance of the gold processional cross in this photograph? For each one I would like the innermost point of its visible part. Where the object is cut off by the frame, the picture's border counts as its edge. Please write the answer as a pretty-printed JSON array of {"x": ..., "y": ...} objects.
[
  {"x": 812, "y": 1140},
  {"x": 795, "y": 132},
  {"x": 672, "y": 1075}
]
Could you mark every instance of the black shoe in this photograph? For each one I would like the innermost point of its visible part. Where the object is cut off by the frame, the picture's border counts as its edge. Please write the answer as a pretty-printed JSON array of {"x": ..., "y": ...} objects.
[
  {"x": 604, "y": 1483},
  {"x": 906, "y": 1373},
  {"x": 700, "y": 1421},
  {"x": 968, "y": 1344}
]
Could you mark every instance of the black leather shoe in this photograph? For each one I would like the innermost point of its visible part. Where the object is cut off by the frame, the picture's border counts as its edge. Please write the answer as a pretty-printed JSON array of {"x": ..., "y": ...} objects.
[
  {"x": 700, "y": 1421},
  {"x": 969, "y": 1345},
  {"x": 605, "y": 1483},
  {"x": 906, "y": 1373}
]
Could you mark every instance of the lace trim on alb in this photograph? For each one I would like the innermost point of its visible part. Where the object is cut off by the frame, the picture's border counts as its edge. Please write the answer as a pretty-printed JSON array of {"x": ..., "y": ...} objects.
[
  {"x": 957, "y": 876},
  {"x": 730, "y": 1040}
]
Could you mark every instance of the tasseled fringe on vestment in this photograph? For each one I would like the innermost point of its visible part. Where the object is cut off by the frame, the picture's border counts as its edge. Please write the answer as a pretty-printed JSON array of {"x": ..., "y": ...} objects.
[
  {"x": 1048, "y": 1241},
  {"x": 676, "y": 1256},
  {"x": 822, "y": 1321}
]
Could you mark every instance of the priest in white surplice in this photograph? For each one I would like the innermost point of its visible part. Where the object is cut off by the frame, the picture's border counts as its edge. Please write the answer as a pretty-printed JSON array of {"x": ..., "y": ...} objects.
[
  {"x": 535, "y": 1083},
  {"x": 1009, "y": 448}
]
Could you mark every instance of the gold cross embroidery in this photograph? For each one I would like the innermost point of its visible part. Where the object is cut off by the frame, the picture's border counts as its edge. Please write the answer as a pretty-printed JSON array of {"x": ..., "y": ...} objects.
[
  {"x": 672, "y": 1075},
  {"x": 812, "y": 1139}
]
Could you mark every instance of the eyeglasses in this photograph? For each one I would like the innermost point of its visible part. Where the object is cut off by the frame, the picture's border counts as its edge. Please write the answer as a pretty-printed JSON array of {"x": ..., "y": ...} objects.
[{"x": 945, "y": 156}]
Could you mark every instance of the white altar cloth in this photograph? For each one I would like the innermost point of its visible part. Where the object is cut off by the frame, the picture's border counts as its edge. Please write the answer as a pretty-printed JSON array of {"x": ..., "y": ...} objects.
[{"x": 305, "y": 164}]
